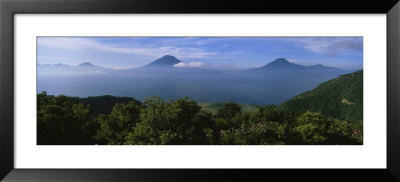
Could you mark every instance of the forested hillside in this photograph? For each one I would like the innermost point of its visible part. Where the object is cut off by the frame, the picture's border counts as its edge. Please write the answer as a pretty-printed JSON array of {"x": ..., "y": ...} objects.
[
  {"x": 63, "y": 120},
  {"x": 340, "y": 98}
]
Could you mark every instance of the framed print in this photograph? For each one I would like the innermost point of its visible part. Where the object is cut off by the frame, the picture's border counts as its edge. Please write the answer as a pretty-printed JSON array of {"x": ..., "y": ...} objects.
[{"x": 204, "y": 90}]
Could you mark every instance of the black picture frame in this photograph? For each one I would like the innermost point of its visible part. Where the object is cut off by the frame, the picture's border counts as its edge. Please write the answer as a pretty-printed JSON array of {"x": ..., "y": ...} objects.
[{"x": 8, "y": 8}]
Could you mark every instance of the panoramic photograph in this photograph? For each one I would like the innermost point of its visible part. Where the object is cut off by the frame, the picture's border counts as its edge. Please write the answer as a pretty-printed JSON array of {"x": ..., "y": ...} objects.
[{"x": 199, "y": 90}]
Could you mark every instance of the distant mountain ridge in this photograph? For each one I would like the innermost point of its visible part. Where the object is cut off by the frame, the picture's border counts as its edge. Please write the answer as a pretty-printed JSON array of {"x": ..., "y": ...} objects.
[
  {"x": 281, "y": 68},
  {"x": 69, "y": 69},
  {"x": 282, "y": 64},
  {"x": 166, "y": 65}
]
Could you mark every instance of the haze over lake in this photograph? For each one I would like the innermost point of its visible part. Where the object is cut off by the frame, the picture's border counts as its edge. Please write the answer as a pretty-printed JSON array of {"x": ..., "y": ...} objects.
[{"x": 255, "y": 70}]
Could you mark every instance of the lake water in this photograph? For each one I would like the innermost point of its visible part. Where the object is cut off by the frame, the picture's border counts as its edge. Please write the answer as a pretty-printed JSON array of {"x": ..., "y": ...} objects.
[{"x": 236, "y": 87}]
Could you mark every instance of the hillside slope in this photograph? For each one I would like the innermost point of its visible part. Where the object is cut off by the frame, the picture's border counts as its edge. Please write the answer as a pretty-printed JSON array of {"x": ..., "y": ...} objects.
[{"x": 341, "y": 98}]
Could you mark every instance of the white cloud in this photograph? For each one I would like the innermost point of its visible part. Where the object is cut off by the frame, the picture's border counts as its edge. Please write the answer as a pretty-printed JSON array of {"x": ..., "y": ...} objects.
[
  {"x": 189, "y": 65},
  {"x": 331, "y": 45},
  {"x": 88, "y": 44},
  {"x": 229, "y": 66}
]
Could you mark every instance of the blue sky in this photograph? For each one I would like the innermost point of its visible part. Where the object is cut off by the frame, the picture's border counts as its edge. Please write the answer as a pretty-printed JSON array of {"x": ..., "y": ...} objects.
[{"x": 207, "y": 52}]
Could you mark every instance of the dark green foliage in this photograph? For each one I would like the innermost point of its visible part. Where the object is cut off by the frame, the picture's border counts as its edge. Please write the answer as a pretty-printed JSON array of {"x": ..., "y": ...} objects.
[
  {"x": 314, "y": 128},
  {"x": 72, "y": 120},
  {"x": 229, "y": 110},
  {"x": 61, "y": 121},
  {"x": 213, "y": 107},
  {"x": 340, "y": 98},
  {"x": 64, "y": 120},
  {"x": 228, "y": 116},
  {"x": 115, "y": 126},
  {"x": 103, "y": 104},
  {"x": 165, "y": 122}
]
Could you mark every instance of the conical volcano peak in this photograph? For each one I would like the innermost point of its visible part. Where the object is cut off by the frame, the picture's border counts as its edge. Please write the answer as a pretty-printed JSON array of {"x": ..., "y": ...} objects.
[
  {"x": 86, "y": 64},
  {"x": 281, "y": 64},
  {"x": 164, "y": 61},
  {"x": 280, "y": 60},
  {"x": 168, "y": 56}
]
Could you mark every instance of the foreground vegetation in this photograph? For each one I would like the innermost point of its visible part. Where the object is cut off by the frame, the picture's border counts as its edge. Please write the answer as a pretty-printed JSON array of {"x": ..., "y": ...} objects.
[{"x": 65, "y": 120}]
